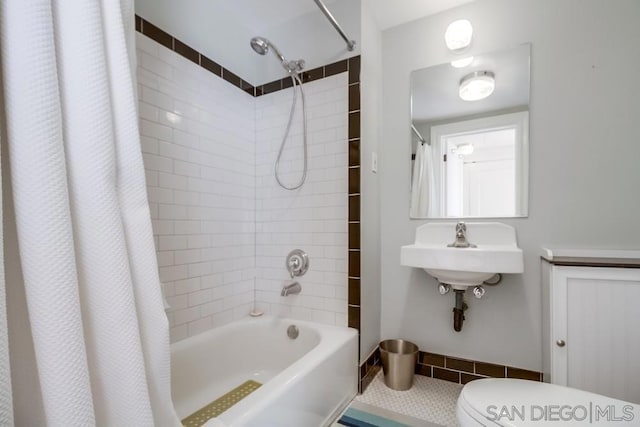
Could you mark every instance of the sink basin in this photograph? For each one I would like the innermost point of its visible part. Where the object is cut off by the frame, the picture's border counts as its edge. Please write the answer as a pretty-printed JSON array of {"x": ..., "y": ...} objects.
[{"x": 496, "y": 251}]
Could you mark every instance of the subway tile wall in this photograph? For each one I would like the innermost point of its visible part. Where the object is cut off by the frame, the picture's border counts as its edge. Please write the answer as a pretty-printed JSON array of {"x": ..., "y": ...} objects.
[
  {"x": 198, "y": 142},
  {"x": 312, "y": 218}
]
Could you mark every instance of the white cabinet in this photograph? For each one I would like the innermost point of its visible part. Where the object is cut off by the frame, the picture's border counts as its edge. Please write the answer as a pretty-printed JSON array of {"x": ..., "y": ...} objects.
[{"x": 592, "y": 325}]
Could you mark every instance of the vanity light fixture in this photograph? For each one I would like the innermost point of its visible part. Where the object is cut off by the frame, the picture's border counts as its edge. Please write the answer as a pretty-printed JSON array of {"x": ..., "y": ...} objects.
[
  {"x": 477, "y": 85},
  {"x": 461, "y": 63},
  {"x": 458, "y": 35}
]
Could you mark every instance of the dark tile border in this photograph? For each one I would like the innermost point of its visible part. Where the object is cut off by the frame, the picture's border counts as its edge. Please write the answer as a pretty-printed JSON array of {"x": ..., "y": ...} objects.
[
  {"x": 447, "y": 368},
  {"x": 462, "y": 371},
  {"x": 167, "y": 40},
  {"x": 355, "y": 285},
  {"x": 309, "y": 76},
  {"x": 369, "y": 369},
  {"x": 210, "y": 65},
  {"x": 158, "y": 35},
  {"x": 186, "y": 51}
]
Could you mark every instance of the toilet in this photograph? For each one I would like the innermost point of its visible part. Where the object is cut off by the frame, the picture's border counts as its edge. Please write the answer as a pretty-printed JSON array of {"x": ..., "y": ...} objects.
[{"x": 512, "y": 402}]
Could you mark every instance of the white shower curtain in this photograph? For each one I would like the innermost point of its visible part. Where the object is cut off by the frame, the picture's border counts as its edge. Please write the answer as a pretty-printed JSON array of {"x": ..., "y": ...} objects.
[
  {"x": 423, "y": 200},
  {"x": 83, "y": 334}
]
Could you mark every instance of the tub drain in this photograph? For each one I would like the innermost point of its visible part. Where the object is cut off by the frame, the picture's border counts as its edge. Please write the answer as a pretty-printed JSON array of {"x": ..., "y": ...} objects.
[{"x": 293, "y": 332}]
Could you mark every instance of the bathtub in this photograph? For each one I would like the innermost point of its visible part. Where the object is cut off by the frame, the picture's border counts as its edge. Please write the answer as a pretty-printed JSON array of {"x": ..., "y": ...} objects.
[{"x": 305, "y": 381}]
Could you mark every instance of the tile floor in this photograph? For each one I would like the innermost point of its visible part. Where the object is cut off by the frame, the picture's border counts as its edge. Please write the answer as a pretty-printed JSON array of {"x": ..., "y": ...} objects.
[{"x": 429, "y": 399}]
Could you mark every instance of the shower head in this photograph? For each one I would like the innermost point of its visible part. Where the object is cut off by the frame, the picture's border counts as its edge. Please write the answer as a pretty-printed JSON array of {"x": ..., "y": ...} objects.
[{"x": 262, "y": 46}]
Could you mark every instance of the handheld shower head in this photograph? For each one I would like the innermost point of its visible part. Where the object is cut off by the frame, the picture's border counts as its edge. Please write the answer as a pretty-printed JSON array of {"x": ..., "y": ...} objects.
[{"x": 262, "y": 46}]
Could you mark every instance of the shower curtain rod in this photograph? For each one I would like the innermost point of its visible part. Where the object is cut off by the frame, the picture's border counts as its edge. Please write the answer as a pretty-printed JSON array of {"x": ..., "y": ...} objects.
[
  {"x": 418, "y": 134},
  {"x": 327, "y": 13}
]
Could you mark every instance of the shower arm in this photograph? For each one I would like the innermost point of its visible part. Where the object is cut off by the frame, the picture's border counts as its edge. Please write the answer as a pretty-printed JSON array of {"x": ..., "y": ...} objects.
[{"x": 327, "y": 13}]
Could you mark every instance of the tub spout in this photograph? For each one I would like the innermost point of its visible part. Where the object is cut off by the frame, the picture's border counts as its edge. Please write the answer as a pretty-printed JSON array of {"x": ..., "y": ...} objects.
[{"x": 293, "y": 288}]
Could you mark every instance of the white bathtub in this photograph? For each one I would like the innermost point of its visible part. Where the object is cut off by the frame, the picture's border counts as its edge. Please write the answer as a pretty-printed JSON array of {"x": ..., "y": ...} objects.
[{"x": 306, "y": 381}]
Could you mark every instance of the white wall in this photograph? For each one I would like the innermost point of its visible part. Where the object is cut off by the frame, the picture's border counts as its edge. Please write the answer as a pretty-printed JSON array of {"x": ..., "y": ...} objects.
[
  {"x": 199, "y": 155},
  {"x": 370, "y": 114},
  {"x": 583, "y": 163},
  {"x": 312, "y": 218}
]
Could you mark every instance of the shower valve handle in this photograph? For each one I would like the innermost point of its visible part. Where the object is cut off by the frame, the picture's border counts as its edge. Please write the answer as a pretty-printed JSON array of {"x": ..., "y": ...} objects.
[
  {"x": 297, "y": 263},
  {"x": 294, "y": 265}
]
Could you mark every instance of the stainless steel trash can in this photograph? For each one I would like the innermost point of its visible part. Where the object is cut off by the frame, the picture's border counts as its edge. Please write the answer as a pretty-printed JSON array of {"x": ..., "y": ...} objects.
[{"x": 399, "y": 359}]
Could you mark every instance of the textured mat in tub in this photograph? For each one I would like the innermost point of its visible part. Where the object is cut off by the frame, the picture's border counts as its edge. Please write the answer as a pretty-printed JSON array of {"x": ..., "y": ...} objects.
[{"x": 221, "y": 404}]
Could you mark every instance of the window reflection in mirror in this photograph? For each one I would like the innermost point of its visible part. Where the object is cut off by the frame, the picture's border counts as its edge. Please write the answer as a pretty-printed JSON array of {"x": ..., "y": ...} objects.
[{"x": 470, "y": 158}]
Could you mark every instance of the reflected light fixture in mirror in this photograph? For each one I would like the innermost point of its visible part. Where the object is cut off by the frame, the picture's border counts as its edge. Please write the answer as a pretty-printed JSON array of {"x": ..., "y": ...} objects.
[
  {"x": 458, "y": 35},
  {"x": 461, "y": 63},
  {"x": 477, "y": 85},
  {"x": 463, "y": 149}
]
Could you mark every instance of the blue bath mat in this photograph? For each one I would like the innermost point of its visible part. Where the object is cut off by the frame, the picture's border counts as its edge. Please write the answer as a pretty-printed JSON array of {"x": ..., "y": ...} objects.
[
  {"x": 356, "y": 418},
  {"x": 363, "y": 415}
]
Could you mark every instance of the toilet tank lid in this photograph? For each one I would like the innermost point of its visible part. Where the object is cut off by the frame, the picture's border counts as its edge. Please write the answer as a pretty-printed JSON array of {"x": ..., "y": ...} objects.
[{"x": 496, "y": 399}]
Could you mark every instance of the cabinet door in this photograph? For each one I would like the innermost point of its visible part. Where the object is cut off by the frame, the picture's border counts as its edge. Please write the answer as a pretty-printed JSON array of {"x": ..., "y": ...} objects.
[{"x": 595, "y": 329}]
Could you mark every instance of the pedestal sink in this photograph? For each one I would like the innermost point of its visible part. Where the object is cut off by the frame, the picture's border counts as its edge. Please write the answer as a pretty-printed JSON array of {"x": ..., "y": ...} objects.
[{"x": 460, "y": 255}]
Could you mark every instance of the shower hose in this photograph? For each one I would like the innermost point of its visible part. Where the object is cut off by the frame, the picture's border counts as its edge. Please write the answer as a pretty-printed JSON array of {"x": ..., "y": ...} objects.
[{"x": 295, "y": 78}]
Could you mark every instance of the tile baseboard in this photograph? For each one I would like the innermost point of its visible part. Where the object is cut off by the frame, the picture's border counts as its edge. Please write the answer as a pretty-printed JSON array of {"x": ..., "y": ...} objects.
[
  {"x": 369, "y": 369},
  {"x": 462, "y": 371},
  {"x": 447, "y": 368}
]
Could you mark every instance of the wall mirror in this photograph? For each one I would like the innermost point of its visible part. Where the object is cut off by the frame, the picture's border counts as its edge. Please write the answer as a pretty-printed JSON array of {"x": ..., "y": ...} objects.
[{"x": 470, "y": 137}]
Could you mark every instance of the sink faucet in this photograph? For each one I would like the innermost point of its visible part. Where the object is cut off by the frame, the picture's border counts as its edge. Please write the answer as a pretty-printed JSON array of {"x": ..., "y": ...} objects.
[
  {"x": 292, "y": 288},
  {"x": 461, "y": 237}
]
